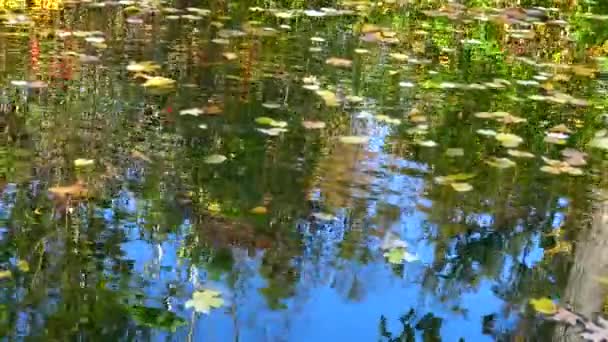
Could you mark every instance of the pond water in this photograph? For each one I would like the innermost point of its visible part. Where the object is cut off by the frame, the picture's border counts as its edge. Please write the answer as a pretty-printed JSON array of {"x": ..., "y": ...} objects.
[{"x": 302, "y": 170}]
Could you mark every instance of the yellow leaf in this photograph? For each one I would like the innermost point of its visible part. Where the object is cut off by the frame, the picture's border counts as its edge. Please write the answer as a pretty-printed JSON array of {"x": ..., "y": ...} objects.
[
  {"x": 331, "y": 100},
  {"x": 145, "y": 66},
  {"x": 5, "y": 274},
  {"x": 214, "y": 207},
  {"x": 544, "y": 305},
  {"x": 159, "y": 82},
  {"x": 259, "y": 210},
  {"x": 462, "y": 187},
  {"x": 23, "y": 266},
  {"x": 83, "y": 162},
  {"x": 230, "y": 56}
]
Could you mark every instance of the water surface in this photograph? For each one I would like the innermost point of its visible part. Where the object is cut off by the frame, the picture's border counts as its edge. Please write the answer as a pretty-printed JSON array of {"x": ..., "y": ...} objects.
[{"x": 322, "y": 171}]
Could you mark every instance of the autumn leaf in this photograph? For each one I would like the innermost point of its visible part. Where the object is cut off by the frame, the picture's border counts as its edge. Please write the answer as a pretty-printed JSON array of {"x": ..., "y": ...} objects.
[
  {"x": 205, "y": 300},
  {"x": 83, "y": 162},
  {"x": 339, "y": 62},
  {"x": 399, "y": 255},
  {"x": 544, "y": 305},
  {"x": 159, "y": 82},
  {"x": 259, "y": 210},
  {"x": 5, "y": 274}
]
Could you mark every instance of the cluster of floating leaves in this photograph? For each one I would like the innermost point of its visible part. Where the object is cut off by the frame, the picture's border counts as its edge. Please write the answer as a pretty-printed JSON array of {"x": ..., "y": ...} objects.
[{"x": 589, "y": 330}]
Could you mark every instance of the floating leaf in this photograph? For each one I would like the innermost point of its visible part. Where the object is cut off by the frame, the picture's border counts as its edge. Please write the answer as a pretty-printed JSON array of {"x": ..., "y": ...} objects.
[
  {"x": 313, "y": 124},
  {"x": 455, "y": 178},
  {"x": 406, "y": 84},
  {"x": 140, "y": 155},
  {"x": 212, "y": 109},
  {"x": 354, "y": 99},
  {"x": 599, "y": 142},
  {"x": 556, "y": 138},
  {"x": 264, "y": 120},
  {"x": 501, "y": 163},
  {"x": 339, "y": 62},
  {"x": 324, "y": 216},
  {"x": 354, "y": 139},
  {"x": 230, "y": 56},
  {"x": 462, "y": 187},
  {"x": 214, "y": 207},
  {"x": 486, "y": 132},
  {"x": 23, "y": 266},
  {"x": 159, "y": 82},
  {"x": 271, "y": 105},
  {"x": 399, "y": 57},
  {"x": 146, "y": 67},
  {"x": 520, "y": 154},
  {"x": 215, "y": 159},
  {"x": 557, "y": 167},
  {"x": 399, "y": 255},
  {"x": 509, "y": 140},
  {"x": 95, "y": 40},
  {"x": 259, "y": 210},
  {"x": 544, "y": 305},
  {"x": 427, "y": 143},
  {"x": 330, "y": 98},
  {"x": 574, "y": 157},
  {"x": 561, "y": 128},
  {"x": 272, "y": 131},
  {"x": 454, "y": 152},
  {"x": 199, "y": 11},
  {"x": 220, "y": 41},
  {"x": 191, "y": 111},
  {"x": 205, "y": 300},
  {"x": 83, "y": 162},
  {"x": 5, "y": 274}
]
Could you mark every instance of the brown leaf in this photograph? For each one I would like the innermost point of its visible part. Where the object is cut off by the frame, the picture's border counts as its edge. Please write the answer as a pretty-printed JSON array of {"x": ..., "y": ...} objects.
[
  {"x": 213, "y": 109},
  {"x": 566, "y": 316},
  {"x": 561, "y": 128},
  {"x": 596, "y": 332},
  {"x": 574, "y": 157},
  {"x": 139, "y": 155}
]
